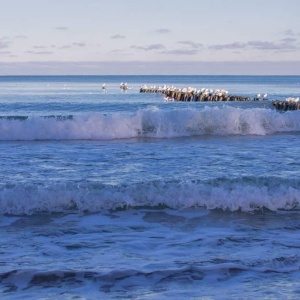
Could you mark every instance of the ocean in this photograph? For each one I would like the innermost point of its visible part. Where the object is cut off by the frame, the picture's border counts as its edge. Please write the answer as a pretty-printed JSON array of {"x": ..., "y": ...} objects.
[{"x": 106, "y": 194}]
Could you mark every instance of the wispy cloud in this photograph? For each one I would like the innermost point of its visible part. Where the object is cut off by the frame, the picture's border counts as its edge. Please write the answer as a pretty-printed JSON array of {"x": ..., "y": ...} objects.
[
  {"x": 117, "y": 51},
  {"x": 40, "y": 47},
  {"x": 4, "y": 42},
  {"x": 188, "y": 48},
  {"x": 289, "y": 32},
  {"x": 69, "y": 46},
  {"x": 181, "y": 52},
  {"x": 40, "y": 52},
  {"x": 20, "y": 37},
  {"x": 261, "y": 45},
  {"x": 163, "y": 30},
  {"x": 118, "y": 36},
  {"x": 191, "y": 44},
  {"x": 149, "y": 47},
  {"x": 65, "y": 47},
  {"x": 285, "y": 44},
  {"x": 62, "y": 28},
  {"x": 5, "y": 52},
  {"x": 123, "y": 52},
  {"x": 233, "y": 46},
  {"x": 288, "y": 40},
  {"x": 80, "y": 44}
]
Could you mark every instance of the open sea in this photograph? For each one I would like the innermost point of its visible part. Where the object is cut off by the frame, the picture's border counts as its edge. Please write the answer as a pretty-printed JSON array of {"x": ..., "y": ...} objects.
[{"x": 121, "y": 195}]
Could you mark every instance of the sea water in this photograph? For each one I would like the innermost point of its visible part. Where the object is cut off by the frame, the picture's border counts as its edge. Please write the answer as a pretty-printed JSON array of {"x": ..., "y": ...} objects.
[{"x": 106, "y": 194}]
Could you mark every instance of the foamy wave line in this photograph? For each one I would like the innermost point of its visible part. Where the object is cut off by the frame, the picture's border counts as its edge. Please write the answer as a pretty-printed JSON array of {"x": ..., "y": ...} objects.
[
  {"x": 246, "y": 194},
  {"x": 151, "y": 122}
]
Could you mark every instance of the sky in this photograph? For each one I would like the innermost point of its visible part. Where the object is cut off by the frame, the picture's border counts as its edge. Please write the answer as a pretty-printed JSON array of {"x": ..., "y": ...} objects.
[{"x": 120, "y": 37}]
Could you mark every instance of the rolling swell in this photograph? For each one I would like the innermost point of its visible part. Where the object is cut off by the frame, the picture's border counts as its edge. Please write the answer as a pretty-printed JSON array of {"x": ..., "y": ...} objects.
[
  {"x": 126, "y": 278},
  {"x": 151, "y": 122},
  {"x": 247, "y": 194}
]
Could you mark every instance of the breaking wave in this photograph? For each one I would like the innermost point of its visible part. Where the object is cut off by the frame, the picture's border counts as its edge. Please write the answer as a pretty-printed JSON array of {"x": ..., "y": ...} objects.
[
  {"x": 246, "y": 194},
  {"x": 151, "y": 122}
]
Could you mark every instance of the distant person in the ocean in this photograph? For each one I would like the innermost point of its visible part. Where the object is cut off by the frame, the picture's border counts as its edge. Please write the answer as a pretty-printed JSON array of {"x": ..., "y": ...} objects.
[{"x": 104, "y": 88}]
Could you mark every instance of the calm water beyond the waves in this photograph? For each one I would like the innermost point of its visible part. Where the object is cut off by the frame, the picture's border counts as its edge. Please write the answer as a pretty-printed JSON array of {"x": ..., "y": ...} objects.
[{"x": 121, "y": 195}]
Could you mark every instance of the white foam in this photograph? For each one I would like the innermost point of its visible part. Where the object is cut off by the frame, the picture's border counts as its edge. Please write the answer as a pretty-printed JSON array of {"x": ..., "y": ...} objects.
[
  {"x": 152, "y": 122},
  {"x": 273, "y": 194}
]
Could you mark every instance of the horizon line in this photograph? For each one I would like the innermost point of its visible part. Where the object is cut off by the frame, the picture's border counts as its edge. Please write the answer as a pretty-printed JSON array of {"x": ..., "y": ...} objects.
[{"x": 132, "y": 75}]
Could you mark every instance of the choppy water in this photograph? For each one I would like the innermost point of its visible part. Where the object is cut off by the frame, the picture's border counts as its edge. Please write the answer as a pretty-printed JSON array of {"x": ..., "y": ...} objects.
[{"x": 124, "y": 196}]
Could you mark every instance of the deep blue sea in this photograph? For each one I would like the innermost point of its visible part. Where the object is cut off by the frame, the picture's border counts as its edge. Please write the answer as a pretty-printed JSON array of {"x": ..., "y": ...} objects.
[{"x": 121, "y": 195}]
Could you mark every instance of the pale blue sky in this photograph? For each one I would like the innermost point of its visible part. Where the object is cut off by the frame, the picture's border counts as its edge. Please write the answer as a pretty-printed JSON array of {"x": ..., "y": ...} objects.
[{"x": 155, "y": 37}]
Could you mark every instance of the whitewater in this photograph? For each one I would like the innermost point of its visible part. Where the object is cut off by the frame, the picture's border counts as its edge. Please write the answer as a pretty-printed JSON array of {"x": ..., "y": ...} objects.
[
  {"x": 150, "y": 122},
  {"x": 120, "y": 195}
]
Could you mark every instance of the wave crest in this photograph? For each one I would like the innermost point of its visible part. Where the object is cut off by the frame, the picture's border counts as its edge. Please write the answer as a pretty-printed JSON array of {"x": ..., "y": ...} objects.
[
  {"x": 151, "y": 122},
  {"x": 245, "y": 194}
]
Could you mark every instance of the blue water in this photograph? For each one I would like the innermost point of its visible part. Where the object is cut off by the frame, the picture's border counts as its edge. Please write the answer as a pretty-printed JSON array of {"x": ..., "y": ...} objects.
[{"x": 120, "y": 195}]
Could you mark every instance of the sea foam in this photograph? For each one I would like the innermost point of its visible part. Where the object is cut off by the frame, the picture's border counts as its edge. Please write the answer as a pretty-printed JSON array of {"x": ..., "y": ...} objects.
[
  {"x": 151, "y": 122},
  {"x": 247, "y": 194}
]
